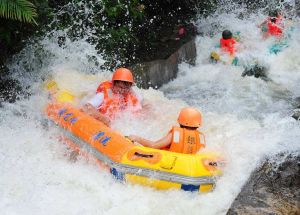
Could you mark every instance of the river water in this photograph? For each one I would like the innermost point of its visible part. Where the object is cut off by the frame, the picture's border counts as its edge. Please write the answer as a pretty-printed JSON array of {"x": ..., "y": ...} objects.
[{"x": 247, "y": 119}]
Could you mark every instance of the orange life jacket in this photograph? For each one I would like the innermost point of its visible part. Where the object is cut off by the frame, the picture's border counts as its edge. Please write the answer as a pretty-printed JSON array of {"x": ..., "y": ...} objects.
[
  {"x": 113, "y": 103},
  {"x": 227, "y": 45},
  {"x": 186, "y": 141},
  {"x": 275, "y": 28}
]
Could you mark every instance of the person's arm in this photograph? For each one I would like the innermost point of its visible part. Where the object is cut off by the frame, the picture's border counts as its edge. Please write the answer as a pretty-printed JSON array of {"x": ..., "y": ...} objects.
[
  {"x": 92, "y": 111},
  {"x": 91, "y": 108},
  {"x": 161, "y": 143},
  {"x": 202, "y": 139}
]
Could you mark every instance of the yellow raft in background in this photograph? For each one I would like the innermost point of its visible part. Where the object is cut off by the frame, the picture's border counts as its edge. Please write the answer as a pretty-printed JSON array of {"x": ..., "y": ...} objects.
[{"x": 130, "y": 163}]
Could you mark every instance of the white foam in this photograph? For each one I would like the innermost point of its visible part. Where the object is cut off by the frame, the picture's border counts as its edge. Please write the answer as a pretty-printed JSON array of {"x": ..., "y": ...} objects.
[{"x": 246, "y": 118}]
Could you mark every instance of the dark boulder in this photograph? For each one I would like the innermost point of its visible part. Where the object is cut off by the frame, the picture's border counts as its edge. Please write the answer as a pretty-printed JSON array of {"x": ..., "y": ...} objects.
[
  {"x": 257, "y": 71},
  {"x": 296, "y": 114},
  {"x": 273, "y": 188},
  {"x": 155, "y": 73}
]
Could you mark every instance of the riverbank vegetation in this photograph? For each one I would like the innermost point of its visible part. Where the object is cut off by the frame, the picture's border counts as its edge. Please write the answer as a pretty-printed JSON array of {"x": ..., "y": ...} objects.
[
  {"x": 124, "y": 31},
  {"x": 19, "y": 20}
]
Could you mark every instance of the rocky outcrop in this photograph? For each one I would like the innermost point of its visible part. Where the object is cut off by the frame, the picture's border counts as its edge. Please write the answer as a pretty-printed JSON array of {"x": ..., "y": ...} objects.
[
  {"x": 158, "y": 72},
  {"x": 274, "y": 188}
]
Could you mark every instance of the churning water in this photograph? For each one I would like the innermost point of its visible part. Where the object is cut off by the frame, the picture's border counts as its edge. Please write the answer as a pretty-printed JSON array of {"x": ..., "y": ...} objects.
[{"x": 245, "y": 118}]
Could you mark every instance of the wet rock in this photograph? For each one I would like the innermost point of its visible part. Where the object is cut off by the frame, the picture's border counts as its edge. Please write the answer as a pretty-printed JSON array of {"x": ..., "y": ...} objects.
[
  {"x": 274, "y": 188},
  {"x": 257, "y": 71},
  {"x": 297, "y": 102},
  {"x": 296, "y": 111},
  {"x": 158, "y": 72},
  {"x": 296, "y": 114}
]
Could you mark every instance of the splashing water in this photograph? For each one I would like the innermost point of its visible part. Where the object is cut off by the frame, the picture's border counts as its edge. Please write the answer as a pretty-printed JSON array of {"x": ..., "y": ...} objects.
[{"x": 245, "y": 118}]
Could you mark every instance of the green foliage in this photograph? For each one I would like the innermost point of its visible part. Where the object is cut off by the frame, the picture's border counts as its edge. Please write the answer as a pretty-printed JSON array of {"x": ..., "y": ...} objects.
[
  {"x": 127, "y": 31},
  {"x": 16, "y": 23},
  {"x": 123, "y": 8},
  {"x": 108, "y": 24},
  {"x": 21, "y": 10}
]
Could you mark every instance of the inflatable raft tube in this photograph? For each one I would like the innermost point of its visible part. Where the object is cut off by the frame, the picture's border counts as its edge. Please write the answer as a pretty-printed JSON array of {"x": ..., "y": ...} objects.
[{"x": 130, "y": 163}]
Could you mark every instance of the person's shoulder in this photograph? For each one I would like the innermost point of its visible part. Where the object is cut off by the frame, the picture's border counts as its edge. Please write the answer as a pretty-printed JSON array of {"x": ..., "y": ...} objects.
[{"x": 104, "y": 85}]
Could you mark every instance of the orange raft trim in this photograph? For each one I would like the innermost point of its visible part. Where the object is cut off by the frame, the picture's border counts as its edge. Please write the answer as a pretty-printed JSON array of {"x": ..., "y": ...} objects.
[
  {"x": 132, "y": 163},
  {"x": 90, "y": 130}
]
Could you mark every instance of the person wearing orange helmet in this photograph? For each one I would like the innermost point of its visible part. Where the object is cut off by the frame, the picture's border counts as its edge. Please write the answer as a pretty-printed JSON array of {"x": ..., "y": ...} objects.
[
  {"x": 113, "y": 96},
  {"x": 185, "y": 139}
]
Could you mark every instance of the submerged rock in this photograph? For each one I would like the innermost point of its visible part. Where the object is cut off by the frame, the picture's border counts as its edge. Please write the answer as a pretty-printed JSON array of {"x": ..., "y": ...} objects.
[
  {"x": 296, "y": 111},
  {"x": 296, "y": 114},
  {"x": 274, "y": 188},
  {"x": 257, "y": 71}
]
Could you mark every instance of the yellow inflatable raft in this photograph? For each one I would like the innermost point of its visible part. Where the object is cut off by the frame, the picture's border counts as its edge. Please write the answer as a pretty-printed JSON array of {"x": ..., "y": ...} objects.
[{"x": 127, "y": 162}]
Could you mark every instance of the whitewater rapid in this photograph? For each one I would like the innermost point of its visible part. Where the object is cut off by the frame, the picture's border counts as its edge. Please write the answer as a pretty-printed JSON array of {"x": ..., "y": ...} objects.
[{"x": 247, "y": 119}]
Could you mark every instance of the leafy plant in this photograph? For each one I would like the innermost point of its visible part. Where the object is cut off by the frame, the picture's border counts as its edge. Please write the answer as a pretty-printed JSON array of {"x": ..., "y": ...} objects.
[{"x": 21, "y": 10}]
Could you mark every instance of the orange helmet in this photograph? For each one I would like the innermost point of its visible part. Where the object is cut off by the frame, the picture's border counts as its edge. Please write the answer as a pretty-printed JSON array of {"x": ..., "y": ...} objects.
[
  {"x": 123, "y": 74},
  {"x": 190, "y": 117}
]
